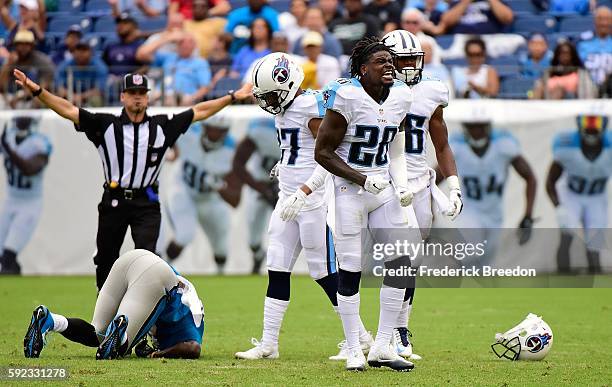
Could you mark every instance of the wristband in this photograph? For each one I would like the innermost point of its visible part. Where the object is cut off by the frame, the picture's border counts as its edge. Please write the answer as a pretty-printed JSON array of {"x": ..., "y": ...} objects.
[
  {"x": 453, "y": 182},
  {"x": 37, "y": 92},
  {"x": 231, "y": 93}
]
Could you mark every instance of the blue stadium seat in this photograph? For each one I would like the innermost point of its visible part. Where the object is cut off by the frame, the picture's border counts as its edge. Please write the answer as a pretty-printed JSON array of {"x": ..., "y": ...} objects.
[
  {"x": 504, "y": 60},
  {"x": 533, "y": 23},
  {"x": 515, "y": 87},
  {"x": 280, "y": 5},
  {"x": 455, "y": 62},
  {"x": 523, "y": 6},
  {"x": 238, "y": 3},
  {"x": 96, "y": 41},
  {"x": 61, "y": 23},
  {"x": 445, "y": 41},
  {"x": 70, "y": 5},
  {"x": 223, "y": 86},
  {"x": 98, "y": 6},
  {"x": 104, "y": 24},
  {"x": 576, "y": 24},
  {"x": 155, "y": 24}
]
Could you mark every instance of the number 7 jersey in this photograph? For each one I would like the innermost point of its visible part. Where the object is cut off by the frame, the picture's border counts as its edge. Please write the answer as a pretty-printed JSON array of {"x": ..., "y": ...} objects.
[{"x": 370, "y": 126}]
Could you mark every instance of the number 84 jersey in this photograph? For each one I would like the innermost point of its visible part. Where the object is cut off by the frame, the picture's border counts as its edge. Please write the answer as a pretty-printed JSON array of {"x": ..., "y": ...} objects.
[{"x": 371, "y": 126}]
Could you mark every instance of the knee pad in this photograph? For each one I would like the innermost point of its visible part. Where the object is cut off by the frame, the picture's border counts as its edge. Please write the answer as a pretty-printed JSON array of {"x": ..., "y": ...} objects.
[
  {"x": 279, "y": 285},
  {"x": 348, "y": 282}
]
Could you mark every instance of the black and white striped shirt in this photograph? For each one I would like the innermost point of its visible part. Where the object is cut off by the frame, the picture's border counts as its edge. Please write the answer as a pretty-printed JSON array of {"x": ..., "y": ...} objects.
[{"x": 132, "y": 153}]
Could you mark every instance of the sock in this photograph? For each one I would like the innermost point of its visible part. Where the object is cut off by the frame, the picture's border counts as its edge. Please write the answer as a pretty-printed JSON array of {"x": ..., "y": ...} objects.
[
  {"x": 348, "y": 307},
  {"x": 363, "y": 333},
  {"x": 60, "y": 323},
  {"x": 82, "y": 332},
  {"x": 404, "y": 316},
  {"x": 274, "y": 311},
  {"x": 390, "y": 305}
]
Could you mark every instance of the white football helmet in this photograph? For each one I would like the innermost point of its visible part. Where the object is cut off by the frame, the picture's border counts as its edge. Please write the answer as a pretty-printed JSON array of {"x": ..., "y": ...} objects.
[
  {"x": 532, "y": 339},
  {"x": 217, "y": 121},
  {"x": 276, "y": 80},
  {"x": 477, "y": 119},
  {"x": 404, "y": 44}
]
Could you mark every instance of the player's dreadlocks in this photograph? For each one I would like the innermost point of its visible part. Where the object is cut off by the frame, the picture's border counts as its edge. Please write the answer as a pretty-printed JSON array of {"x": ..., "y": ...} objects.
[{"x": 363, "y": 50}]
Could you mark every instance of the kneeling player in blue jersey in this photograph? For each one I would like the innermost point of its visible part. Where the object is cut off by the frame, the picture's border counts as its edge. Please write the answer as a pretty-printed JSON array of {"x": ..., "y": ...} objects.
[{"x": 143, "y": 294}]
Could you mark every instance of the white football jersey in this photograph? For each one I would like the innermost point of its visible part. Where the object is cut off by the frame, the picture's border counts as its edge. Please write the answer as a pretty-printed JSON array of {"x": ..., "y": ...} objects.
[
  {"x": 582, "y": 176},
  {"x": 200, "y": 170},
  {"x": 20, "y": 185},
  {"x": 428, "y": 95},
  {"x": 297, "y": 145},
  {"x": 263, "y": 133},
  {"x": 371, "y": 126},
  {"x": 483, "y": 178}
]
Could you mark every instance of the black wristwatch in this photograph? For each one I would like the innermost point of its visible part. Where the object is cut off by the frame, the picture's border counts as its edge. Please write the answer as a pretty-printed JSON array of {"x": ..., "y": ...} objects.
[
  {"x": 37, "y": 92},
  {"x": 232, "y": 93}
]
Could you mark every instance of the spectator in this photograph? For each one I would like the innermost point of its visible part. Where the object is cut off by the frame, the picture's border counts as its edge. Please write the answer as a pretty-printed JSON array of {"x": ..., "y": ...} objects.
[
  {"x": 187, "y": 77},
  {"x": 477, "y": 80},
  {"x": 9, "y": 10},
  {"x": 280, "y": 43},
  {"x": 257, "y": 47},
  {"x": 477, "y": 17},
  {"x": 292, "y": 22},
  {"x": 205, "y": 29},
  {"x": 330, "y": 10},
  {"x": 596, "y": 52},
  {"x": 32, "y": 17},
  {"x": 567, "y": 78},
  {"x": 314, "y": 21},
  {"x": 354, "y": 26},
  {"x": 175, "y": 22},
  {"x": 34, "y": 63},
  {"x": 582, "y": 7},
  {"x": 64, "y": 52},
  {"x": 87, "y": 77},
  {"x": 149, "y": 8},
  {"x": 537, "y": 59},
  {"x": 319, "y": 69},
  {"x": 433, "y": 67},
  {"x": 185, "y": 7},
  {"x": 120, "y": 56},
  {"x": 219, "y": 59},
  {"x": 431, "y": 9},
  {"x": 387, "y": 12},
  {"x": 413, "y": 21},
  {"x": 239, "y": 20}
]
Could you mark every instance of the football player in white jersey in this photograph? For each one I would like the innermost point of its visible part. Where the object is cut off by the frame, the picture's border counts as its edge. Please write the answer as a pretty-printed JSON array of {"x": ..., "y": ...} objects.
[
  {"x": 361, "y": 142},
  {"x": 426, "y": 118},
  {"x": 26, "y": 154},
  {"x": 483, "y": 156},
  {"x": 261, "y": 142},
  {"x": 583, "y": 161},
  {"x": 299, "y": 219},
  {"x": 204, "y": 188}
]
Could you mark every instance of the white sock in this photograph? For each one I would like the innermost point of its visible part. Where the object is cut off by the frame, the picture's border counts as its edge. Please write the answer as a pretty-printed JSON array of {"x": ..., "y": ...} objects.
[
  {"x": 363, "y": 333},
  {"x": 60, "y": 323},
  {"x": 390, "y": 305},
  {"x": 404, "y": 316},
  {"x": 274, "y": 311},
  {"x": 348, "y": 307}
]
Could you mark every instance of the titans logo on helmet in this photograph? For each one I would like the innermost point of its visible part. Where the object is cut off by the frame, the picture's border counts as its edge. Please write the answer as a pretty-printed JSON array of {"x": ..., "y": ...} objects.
[
  {"x": 280, "y": 72},
  {"x": 536, "y": 343}
]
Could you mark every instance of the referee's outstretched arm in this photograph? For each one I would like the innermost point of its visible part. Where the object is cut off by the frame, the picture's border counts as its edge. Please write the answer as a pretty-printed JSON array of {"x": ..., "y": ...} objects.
[{"x": 206, "y": 109}]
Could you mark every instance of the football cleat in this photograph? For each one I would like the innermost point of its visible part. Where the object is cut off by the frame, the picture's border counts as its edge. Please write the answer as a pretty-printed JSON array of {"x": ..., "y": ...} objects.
[
  {"x": 35, "y": 338},
  {"x": 343, "y": 354},
  {"x": 259, "y": 351},
  {"x": 355, "y": 360},
  {"x": 110, "y": 348},
  {"x": 401, "y": 341},
  {"x": 386, "y": 356}
]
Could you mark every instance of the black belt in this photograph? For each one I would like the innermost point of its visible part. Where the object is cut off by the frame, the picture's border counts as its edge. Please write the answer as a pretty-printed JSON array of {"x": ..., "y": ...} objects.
[{"x": 130, "y": 194}]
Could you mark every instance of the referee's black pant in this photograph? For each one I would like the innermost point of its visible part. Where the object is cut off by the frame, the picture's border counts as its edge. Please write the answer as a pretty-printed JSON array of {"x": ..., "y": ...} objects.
[{"x": 118, "y": 210}]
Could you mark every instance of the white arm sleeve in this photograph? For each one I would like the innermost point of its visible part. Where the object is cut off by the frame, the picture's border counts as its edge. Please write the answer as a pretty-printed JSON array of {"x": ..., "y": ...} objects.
[
  {"x": 317, "y": 179},
  {"x": 397, "y": 161}
]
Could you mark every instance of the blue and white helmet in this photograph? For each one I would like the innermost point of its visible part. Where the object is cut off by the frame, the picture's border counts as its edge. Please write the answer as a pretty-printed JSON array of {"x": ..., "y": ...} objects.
[
  {"x": 276, "y": 81},
  {"x": 405, "y": 44}
]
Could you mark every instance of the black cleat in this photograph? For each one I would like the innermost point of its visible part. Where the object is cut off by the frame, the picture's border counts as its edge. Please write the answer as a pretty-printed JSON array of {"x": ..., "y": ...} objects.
[
  {"x": 40, "y": 324},
  {"x": 110, "y": 348}
]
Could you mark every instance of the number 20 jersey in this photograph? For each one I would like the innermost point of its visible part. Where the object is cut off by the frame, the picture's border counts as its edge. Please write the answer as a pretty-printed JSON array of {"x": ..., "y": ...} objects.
[
  {"x": 428, "y": 95},
  {"x": 370, "y": 126},
  {"x": 297, "y": 145}
]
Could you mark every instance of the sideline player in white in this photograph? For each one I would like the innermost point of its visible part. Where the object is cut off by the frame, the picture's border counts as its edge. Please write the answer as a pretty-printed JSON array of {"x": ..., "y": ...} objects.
[
  {"x": 583, "y": 159},
  {"x": 299, "y": 219},
  {"x": 26, "y": 154},
  {"x": 260, "y": 141},
  {"x": 361, "y": 142},
  {"x": 203, "y": 188},
  {"x": 426, "y": 118},
  {"x": 483, "y": 156}
]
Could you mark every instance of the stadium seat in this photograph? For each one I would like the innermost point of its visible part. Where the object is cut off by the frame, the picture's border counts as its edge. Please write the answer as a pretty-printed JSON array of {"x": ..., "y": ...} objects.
[
  {"x": 280, "y": 5},
  {"x": 445, "y": 41},
  {"x": 154, "y": 24},
  {"x": 223, "y": 86},
  {"x": 98, "y": 6},
  {"x": 515, "y": 88},
  {"x": 96, "y": 41},
  {"x": 73, "y": 6},
  {"x": 533, "y": 23},
  {"x": 61, "y": 23},
  {"x": 104, "y": 24},
  {"x": 574, "y": 23},
  {"x": 455, "y": 62},
  {"x": 238, "y": 3},
  {"x": 523, "y": 6}
]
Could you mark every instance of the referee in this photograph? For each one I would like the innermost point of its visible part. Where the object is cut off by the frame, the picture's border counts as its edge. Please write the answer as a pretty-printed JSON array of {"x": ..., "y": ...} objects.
[{"x": 132, "y": 147}]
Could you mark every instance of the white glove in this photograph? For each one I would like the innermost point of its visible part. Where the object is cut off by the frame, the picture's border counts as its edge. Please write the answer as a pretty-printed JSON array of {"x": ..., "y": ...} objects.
[
  {"x": 291, "y": 207},
  {"x": 454, "y": 197},
  {"x": 376, "y": 184},
  {"x": 274, "y": 171},
  {"x": 214, "y": 182},
  {"x": 405, "y": 197}
]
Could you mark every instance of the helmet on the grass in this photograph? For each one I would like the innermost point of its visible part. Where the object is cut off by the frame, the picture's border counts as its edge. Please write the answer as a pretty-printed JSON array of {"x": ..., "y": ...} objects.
[{"x": 531, "y": 339}]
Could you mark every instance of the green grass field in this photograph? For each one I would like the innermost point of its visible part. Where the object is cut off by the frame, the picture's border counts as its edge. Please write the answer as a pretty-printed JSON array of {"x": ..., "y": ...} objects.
[{"x": 452, "y": 328}]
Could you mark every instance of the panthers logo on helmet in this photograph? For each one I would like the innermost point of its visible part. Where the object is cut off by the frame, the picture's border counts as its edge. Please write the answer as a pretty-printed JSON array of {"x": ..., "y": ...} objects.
[
  {"x": 536, "y": 343},
  {"x": 280, "y": 72}
]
